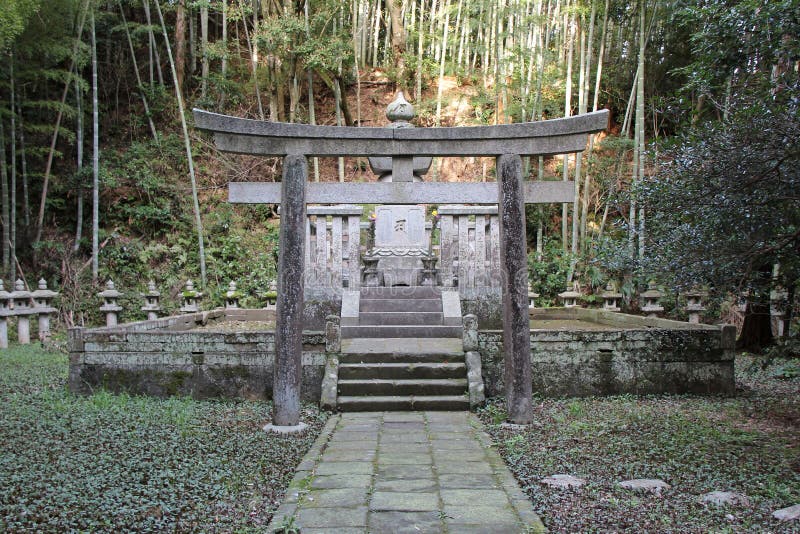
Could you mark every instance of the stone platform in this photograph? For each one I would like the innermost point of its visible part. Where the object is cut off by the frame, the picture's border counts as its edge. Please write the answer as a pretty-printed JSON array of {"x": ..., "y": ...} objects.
[{"x": 395, "y": 472}]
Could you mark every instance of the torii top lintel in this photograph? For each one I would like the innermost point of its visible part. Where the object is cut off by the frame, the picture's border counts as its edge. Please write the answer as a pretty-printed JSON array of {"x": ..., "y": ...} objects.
[{"x": 263, "y": 138}]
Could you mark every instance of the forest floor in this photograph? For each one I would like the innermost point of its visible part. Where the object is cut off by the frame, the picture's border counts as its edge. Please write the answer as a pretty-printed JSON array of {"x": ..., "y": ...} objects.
[
  {"x": 119, "y": 463},
  {"x": 749, "y": 444},
  {"x": 116, "y": 462}
]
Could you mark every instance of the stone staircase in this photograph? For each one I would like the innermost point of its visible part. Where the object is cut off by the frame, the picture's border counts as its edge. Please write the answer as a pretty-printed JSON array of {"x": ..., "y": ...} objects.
[{"x": 402, "y": 354}]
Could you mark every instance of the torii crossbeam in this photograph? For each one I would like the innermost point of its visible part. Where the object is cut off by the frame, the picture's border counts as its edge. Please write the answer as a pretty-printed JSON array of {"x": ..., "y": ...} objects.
[{"x": 296, "y": 142}]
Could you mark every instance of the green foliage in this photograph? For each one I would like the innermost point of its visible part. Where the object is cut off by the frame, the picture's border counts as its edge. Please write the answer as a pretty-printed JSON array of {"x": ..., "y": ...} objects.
[
  {"x": 549, "y": 276},
  {"x": 115, "y": 462}
]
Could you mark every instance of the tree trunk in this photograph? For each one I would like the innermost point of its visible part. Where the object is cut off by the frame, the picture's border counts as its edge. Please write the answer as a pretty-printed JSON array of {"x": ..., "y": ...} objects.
[
  {"x": 443, "y": 53},
  {"x": 188, "y": 146},
  {"x": 640, "y": 123},
  {"x": 180, "y": 42},
  {"x": 204, "y": 50},
  {"x": 54, "y": 140},
  {"x": 79, "y": 164},
  {"x": 95, "y": 160},
  {"x": 139, "y": 84},
  {"x": 567, "y": 113},
  {"x": 224, "y": 64},
  {"x": 26, "y": 206},
  {"x": 757, "y": 327},
  {"x": 153, "y": 45},
  {"x": 398, "y": 37},
  {"x": 13, "y": 217},
  {"x": 5, "y": 206}
]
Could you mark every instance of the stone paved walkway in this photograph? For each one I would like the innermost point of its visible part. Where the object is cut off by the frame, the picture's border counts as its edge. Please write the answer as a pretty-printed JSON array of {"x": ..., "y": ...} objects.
[{"x": 400, "y": 472}]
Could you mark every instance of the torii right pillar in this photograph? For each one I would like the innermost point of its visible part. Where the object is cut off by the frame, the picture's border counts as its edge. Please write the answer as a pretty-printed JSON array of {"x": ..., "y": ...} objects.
[{"x": 514, "y": 269}]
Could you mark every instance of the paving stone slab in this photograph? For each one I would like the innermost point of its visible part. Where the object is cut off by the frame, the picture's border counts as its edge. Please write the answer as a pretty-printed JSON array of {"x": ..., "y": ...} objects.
[
  {"x": 356, "y": 455},
  {"x": 426, "y": 485},
  {"x": 461, "y": 481},
  {"x": 344, "y": 468},
  {"x": 341, "y": 481},
  {"x": 397, "y": 458},
  {"x": 404, "y": 522},
  {"x": 331, "y": 517},
  {"x": 470, "y": 468},
  {"x": 404, "y": 501},
  {"x": 481, "y": 515},
  {"x": 344, "y": 497},
  {"x": 506, "y": 528},
  {"x": 791, "y": 513},
  {"x": 483, "y": 497},
  {"x": 390, "y": 472}
]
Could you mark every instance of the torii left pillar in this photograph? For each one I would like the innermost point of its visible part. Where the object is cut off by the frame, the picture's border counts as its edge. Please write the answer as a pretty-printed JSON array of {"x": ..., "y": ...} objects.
[{"x": 287, "y": 379}]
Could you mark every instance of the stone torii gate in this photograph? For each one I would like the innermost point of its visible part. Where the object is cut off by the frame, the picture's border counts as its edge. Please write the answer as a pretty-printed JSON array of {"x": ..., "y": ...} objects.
[{"x": 296, "y": 142}]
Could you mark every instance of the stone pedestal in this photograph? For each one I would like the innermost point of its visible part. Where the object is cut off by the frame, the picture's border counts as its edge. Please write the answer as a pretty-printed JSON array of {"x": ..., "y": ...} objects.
[
  {"x": 41, "y": 299},
  {"x": 5, "y": 313}
]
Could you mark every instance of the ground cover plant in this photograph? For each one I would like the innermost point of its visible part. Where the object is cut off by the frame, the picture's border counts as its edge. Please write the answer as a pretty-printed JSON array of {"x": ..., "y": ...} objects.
[
  {"x": 749, "y": 444},
  {"x": 115, "y": 462}
]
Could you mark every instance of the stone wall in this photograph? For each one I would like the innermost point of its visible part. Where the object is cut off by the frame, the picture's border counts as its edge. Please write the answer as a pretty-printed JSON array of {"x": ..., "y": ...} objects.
[
  {"x": 635, "y": 354},
  {"x": 171, "y": 357}
]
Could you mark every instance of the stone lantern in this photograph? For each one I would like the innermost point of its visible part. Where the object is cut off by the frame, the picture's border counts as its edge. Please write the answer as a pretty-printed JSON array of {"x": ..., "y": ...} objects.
[
  {"x": 191, "y": 298},
  {"x": 110, "y": 306},
  {"x": 232, "y": 296},
  {"x": 5, "y": 312},
  {"x": 694, "y": 304},
  {"x": 21, "y": 303},
  {"x": 532, "y": 296},
  {"x": 651, "y": 297},
  {"x": 152, "y": 301},
  {"x": 611, "y": 298},
  {"x": 41, "y": 299},
  {"x": 570, "y": 297}
]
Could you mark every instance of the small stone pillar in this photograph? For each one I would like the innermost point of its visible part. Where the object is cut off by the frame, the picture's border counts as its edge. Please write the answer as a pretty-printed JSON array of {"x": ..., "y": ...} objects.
[
  {"x": 21, "y": 303},
  {"x": 5, "y": 312},
  {"x": 190, "y": 299},
  {"x": 470, "y": 332},
  {"x": 569, "y": 298},
  {"x": 152, "y": 301},
  {"x": 41, "y": 299},
  {"x": 651, "y": 297},
  {"x": 333, "y": 334},
  {"x": 532, "y": 296},
  {"x": 272, "y": 295},
  {"x": 694, "y": 304},
  {"x": 232, "y": 296},
  {"x": 611, "y": 298},
  {"x": 370, "y": 275},
  {"x": 110, "y": 306}
]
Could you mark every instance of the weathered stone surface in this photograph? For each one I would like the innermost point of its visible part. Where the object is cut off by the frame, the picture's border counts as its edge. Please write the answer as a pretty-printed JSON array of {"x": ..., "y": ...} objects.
[
  {"x": 474, "y": 379},
  {"x": 400, "y": 227},
  {"x": 791, "y": 513},
  {"x": 245, "y": 136},
  {"x": 645, "y": 484},
  {"x": 291, "y": 276},
  {"x": 563, "y": 481},
  {"x": 399, "y": 192},
  {"x": 628, "y": 355},
  {"x": 721, "y": 498},
  {"x": 514, "y": 267}
]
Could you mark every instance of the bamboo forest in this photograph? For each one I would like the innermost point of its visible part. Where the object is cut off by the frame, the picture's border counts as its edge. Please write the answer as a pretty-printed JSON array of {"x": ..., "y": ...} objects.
[{"x": 148, "y": 155}]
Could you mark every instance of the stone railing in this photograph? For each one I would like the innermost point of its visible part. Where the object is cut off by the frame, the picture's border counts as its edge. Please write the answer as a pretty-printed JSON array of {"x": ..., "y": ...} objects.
[
  {"x": 333, "y": 241},
  {"x": 470, "y": 246}
]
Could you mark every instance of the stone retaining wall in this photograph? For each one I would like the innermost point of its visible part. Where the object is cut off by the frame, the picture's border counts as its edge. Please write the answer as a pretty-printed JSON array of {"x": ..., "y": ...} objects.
[
  {"x": 169, "y": 357},
  {"x": 636, "y": 355}
]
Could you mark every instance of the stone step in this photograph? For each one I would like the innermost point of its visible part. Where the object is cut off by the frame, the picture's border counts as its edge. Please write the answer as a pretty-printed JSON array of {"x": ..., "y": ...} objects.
[
  {"x": 407, "y": 371},
  {"x": 400, "y": 318},
  {"x": 401, "y": 292},
  {"x": 403, "y": 403},
  {"x": 401, "y": 357},
  {"x": 416, "y": 331},
  {"x": 431, "y": 386},
  {"x": 430, "y": 345},
  {"x": 400, "y": 305}
]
